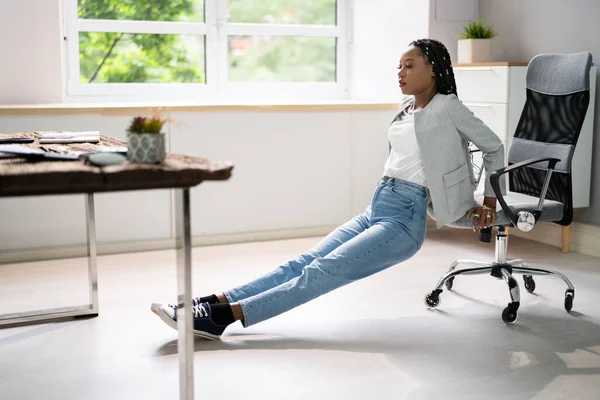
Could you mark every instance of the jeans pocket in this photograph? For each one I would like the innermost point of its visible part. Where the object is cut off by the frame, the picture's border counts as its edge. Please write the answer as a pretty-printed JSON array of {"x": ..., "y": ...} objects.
[
  {"x": 457, "y": 185},
  {"x": 404, "y": 197}
]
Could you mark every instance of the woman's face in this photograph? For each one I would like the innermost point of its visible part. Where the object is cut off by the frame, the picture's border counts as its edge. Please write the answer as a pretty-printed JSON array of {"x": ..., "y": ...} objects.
[{"x": 415, "y": 72}]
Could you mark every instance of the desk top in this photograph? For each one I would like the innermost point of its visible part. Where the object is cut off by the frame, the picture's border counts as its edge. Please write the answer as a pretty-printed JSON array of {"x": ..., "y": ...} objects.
[{"x": 22, "y": 178}]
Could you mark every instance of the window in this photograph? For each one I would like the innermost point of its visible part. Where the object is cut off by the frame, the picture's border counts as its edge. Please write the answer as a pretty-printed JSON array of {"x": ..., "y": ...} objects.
[{"x": 207, "y": 49}]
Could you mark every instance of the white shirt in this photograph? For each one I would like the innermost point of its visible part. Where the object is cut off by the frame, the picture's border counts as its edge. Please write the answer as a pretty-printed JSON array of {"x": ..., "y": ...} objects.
[{"x": 404, "y": 161}]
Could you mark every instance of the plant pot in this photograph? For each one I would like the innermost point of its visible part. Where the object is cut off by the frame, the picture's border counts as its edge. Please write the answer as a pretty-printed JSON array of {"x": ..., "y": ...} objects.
[
  {"x": 146, "y": 148},
  {"x": 474, "y": 50}
]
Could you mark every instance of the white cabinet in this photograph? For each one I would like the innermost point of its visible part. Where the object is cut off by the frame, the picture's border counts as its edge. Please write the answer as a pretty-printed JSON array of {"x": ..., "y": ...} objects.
[
  {"x": 494, "y": 116},
  {"x": 496, "y": 94},
  {"x": 483, "y": 84}
]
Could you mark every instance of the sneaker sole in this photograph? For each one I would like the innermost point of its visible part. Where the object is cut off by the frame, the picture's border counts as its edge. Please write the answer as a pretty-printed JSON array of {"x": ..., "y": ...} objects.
[{"x": 173, "y": 324}]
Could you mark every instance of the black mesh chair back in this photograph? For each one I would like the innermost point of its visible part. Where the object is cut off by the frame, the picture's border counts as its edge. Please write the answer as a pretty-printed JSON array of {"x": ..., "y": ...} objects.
[{"x": 558, "y": 94}]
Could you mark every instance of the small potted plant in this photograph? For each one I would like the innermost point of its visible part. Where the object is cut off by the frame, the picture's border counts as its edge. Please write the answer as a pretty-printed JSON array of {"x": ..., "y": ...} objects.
[
  {"x": 474, "y": 44},
  {"x": 146, "y": 140}
]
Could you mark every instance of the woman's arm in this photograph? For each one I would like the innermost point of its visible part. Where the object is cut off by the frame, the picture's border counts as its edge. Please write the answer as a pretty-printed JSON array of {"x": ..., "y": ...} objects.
[{"x": 472, "y": 129}]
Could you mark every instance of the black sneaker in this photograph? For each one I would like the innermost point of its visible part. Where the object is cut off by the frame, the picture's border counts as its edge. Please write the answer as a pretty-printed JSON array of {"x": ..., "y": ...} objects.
[
  {"x": 196, "y": 301},
  {"x": 203, "y": 324}
]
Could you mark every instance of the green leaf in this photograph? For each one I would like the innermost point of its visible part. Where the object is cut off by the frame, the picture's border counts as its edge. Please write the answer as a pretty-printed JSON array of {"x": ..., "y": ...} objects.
[{"x": 477, "y": 30}]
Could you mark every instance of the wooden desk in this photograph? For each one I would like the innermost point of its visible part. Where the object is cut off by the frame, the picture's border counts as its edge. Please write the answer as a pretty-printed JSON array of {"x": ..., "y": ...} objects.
[{"x": 180, "y": 172}]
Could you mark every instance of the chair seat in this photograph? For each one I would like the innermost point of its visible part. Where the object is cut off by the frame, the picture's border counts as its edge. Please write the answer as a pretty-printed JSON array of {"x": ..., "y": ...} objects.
[{"x": 552, "y": 210}]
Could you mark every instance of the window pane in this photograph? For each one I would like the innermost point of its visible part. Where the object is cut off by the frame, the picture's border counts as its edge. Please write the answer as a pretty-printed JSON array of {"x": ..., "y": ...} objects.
[
  {"x": 282, "y": 59},
  {"x": 143, "y": 10},
  {"x": 310, "y": 12},
  {"x": 141, "y": 58}
]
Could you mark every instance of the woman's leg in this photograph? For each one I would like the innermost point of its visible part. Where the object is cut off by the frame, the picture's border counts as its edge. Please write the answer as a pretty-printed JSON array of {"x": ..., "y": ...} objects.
[
  {"x": 379, "y": 247},
  {"x": 393, "y": 230},
  {"x": 375, "y": 249},
  {"x": 397, "y": 229},
  {"x": 293, "y": 268}
]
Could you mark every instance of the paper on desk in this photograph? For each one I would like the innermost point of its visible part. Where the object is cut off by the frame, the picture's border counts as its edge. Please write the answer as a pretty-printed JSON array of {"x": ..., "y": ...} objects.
[
  {"x": 15, "y": 149},
  {"x": 67, "y": 134},
  {"x": 82, "y": 139},
  {"x": 69, "y": 137}
]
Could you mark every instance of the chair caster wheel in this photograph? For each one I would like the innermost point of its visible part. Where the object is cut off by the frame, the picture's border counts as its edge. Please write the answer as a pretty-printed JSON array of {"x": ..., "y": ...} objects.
[
  {"x": 529, "y": 283},
  {"x": 569, "y": 300},
  {"x": 509, "y": 315},
  {"x": 432, "y": 300},
  {"x": 449, "y": 283}
]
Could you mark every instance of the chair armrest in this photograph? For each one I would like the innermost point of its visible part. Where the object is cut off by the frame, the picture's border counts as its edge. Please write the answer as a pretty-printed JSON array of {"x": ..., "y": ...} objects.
[{"x": 495, "y": 181}]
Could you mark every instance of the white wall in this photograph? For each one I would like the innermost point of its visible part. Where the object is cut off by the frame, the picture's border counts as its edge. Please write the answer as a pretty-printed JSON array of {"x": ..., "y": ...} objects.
[
  {"x": 446, "y": 20},
  {"x": 293, "y": 170},
  {"x": 30, "y": 49},
  {"x": 531, "y": 27},
  {"x": 382, "y": 29}
]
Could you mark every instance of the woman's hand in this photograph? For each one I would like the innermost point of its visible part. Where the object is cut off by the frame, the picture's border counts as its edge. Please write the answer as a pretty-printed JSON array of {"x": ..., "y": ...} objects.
[{"x": 483, "y": 216}]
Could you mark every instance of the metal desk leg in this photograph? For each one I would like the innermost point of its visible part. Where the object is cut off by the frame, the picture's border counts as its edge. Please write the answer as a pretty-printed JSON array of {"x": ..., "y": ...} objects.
[
  {"x": 90, "y": 309},
  {"x": 90, "y": 219},
  {"x": 185, "y": 342}
]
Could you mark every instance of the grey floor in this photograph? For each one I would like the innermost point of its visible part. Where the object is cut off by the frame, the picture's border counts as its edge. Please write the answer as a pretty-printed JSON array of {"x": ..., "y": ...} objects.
[{"x": 373, "y": 339}]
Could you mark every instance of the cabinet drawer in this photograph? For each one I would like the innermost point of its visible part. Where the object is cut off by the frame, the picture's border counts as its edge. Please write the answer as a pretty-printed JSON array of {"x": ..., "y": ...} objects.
[
  {"x": 482, "y": 84},
  {"x": 493, "y": 115}
]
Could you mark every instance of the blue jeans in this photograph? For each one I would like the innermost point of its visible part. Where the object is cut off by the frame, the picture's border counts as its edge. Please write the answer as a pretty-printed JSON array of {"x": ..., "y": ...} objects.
[{"x": 391, "y": 230}]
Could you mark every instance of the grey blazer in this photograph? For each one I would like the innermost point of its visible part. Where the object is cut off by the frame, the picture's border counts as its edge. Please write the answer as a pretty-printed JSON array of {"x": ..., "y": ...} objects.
[{"x": 444, "y": 128}]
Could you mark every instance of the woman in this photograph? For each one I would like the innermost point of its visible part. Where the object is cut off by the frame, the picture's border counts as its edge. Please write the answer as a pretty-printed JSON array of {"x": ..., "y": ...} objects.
[{"x": 428, "y": 165}]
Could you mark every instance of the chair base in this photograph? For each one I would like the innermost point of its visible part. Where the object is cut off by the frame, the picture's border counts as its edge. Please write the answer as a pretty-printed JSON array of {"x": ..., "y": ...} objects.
[{"x": 503, "y": 269}]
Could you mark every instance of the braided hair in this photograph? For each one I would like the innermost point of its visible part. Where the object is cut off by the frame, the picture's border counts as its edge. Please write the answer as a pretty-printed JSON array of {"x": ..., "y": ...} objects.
[{"x": 437, "y": 54}]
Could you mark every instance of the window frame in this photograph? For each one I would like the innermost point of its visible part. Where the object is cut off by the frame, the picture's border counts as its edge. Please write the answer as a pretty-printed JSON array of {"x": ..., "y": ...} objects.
[{"x": 216, "y": 32}]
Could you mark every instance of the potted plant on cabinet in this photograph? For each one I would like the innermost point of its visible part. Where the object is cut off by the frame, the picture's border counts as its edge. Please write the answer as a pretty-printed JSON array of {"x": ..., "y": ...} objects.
[{"x": 474, "y": 43}]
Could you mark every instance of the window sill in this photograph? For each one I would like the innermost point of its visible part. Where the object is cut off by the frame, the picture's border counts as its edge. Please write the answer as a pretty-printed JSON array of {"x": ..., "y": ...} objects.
[{"x": 140, "y": 108}]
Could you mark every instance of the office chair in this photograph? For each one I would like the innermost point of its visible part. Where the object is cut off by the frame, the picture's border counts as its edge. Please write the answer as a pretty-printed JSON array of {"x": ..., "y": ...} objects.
[{"x": 539, "y": 172}]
